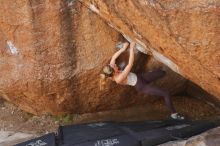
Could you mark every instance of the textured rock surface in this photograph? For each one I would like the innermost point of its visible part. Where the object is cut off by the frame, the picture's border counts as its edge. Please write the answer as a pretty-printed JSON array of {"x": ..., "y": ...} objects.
[
  {"x": 185, "y": 32},
  {"x": 51, "y": 53},
  {"x": 194, "y": 90},
  {"x": 209, "y": 138},
  {"x": 9, "y": 138}
]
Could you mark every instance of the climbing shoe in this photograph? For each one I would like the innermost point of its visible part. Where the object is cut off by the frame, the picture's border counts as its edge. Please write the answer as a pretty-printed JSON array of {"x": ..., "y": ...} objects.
[{"x": 177, "y": 116}]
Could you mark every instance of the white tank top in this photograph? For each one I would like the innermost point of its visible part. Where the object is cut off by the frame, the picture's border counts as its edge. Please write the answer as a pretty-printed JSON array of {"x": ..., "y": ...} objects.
[{"x": 132, "y": 79}]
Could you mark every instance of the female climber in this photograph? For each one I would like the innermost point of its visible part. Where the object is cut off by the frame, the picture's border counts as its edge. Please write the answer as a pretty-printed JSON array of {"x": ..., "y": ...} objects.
[{"x": 139, "y": 81}]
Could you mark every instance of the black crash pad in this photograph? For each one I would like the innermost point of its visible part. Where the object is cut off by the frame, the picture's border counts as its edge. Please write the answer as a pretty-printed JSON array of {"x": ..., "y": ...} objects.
[
  {"x": 46, "y": 140},
  {"x": 144, "y": 133}
]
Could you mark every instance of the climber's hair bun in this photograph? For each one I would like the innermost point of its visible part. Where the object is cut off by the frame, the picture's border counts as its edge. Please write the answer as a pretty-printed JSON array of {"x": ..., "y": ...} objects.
[{"x": 108, "y": 71}]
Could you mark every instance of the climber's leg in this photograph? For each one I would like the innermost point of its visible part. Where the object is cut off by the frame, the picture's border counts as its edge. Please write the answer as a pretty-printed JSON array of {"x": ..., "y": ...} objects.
[{"x": 145, "y": 88}]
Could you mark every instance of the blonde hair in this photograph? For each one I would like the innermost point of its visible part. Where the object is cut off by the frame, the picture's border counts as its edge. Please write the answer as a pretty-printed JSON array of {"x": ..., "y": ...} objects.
[
  {"x": 107, "y": 72},
  {"x": 102, "y": 81}
]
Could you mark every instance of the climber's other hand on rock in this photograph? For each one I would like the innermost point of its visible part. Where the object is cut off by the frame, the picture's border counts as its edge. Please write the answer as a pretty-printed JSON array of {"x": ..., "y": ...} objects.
[
  {"x": 125, "y": 45},
  {"x": 132, "y": 45}
]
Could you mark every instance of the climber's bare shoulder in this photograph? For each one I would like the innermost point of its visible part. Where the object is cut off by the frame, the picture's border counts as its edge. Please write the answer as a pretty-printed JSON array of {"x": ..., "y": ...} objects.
[{"x": 119, "y": 79}]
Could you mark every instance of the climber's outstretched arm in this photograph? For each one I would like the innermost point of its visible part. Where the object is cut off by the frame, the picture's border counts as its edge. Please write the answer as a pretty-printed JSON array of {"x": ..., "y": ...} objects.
[
  {"x": 118, "y": 53},
  {"x": 128, "y": 68}
]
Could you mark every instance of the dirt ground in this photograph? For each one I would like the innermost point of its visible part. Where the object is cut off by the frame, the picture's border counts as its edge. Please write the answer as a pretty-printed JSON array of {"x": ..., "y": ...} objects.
[{"x": 13, "y": 119}]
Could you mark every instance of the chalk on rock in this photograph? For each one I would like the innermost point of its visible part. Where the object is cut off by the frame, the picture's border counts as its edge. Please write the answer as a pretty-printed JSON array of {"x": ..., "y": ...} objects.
[
  {"x": 140, "y": 48},
  {"x": 12, "y": 48}
]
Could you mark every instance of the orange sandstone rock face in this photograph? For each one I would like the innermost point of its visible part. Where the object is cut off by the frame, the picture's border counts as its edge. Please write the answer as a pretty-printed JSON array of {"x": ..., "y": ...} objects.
[
  {"x": 51, "y": 56},
  {"x": 183, "y": 34}
]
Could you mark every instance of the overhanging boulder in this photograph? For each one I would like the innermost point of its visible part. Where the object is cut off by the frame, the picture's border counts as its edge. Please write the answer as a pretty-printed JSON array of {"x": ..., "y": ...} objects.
[
  {"x": 184, "y": 35},
  {"x": 51, "y": 54}
]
